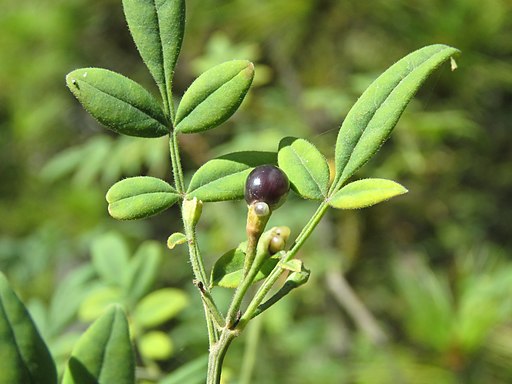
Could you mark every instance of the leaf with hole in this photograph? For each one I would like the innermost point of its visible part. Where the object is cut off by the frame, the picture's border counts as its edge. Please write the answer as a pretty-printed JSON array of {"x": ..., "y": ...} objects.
[
  {"x": 372, "y": 118},
  {"x": 214, "y": 96},
  {"x": 139, "y": 197},
  {"x": 157, "y": 27},
  {"x": 305, "y": 167},
  {"x": 103, "y": 354},
  {"x": 117, "y": 102},
  {"x": 365, "y": 193},
  {"x": 25, "y": 356},
  {"x": 224, "y": 178}
]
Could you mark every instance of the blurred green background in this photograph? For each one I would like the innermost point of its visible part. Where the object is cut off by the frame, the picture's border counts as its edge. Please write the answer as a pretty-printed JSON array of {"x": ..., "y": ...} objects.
[{"x": 416, "y": 290}]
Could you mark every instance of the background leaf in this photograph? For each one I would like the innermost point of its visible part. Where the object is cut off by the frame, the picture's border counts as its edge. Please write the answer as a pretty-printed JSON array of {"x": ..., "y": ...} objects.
[
  {"x": 223, "y": 178},
  {"x": 157, "y": 27},
  {"x": 143, "y": 270},
  {"x": 104, "y": 353},
  {"x": 192, "y": 372},
  {"x": 24, "y": 354},
  {"x": 110, "y": 257},
  {"x": 305, "y": 167},
  {"x": 156, "y": 345},
  {"x": 365, "y": 193},
  {"x": 117, "y": 102},
  {"x": 214, "y": 96},
  {"x": 138, "y": 197},
  {"x": 375, "y": 114},
  {"x": 160, "y": 306}
]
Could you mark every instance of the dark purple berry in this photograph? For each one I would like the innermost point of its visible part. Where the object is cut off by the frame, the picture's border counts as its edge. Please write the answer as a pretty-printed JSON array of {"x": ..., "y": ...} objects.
[{"x": 268, "y": 184}]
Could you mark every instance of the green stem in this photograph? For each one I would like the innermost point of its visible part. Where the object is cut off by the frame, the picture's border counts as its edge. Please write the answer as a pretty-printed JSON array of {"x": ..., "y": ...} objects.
[
  {"x": 177, "y": 169},
  {"x": 208, "y": 301},
  {"x": 198, "y": 270},
  {"x": 276, "y": 272},
  {"x": 217, "y": 353}
]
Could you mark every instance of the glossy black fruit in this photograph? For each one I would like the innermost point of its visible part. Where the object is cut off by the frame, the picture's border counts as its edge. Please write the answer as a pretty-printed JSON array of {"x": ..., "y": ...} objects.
[{"x": 267, "y": 183}]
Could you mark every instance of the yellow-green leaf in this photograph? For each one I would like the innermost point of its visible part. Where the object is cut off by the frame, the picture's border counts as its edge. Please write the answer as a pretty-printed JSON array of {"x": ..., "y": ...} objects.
[
  {"x": 159, "y": 307},
  {"x": 365, "y": 193},
  {"x": 372, "y": 118}
]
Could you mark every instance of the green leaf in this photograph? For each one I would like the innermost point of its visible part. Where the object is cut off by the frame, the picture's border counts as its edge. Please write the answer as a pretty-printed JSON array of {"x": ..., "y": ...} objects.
[
  {"x": 193, "y": 372},
  {"x": 224, "y": 178},
  {"x": 139, "y": 197},
  {"x": 371, "y": 120},
  {"x": 175, "y": 239},
  {"x": 104, "y": 353},
  {"x": 97, "y": 301},
  {"x": 214, "y": 96},
  {"x": 156, "y": 345},
  {"x": 305, "y": 166},
  {"x": 157, "y": 27},
  {"x": 143, "y": 270},
  {"x": 228, "y": 269},
  {"x": 24, "y": 355},
  {"x": 68, "y": 297},
  {"x": 365, "y": 193},
  {"x": 159, "y": 307},
  {"x": 117, "y": 102},
  {"x": 110, "y": 257}
]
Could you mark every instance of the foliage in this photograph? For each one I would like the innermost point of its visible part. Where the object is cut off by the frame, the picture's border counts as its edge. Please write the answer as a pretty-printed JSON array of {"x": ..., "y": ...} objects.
[{"x": 453, "y": 158}]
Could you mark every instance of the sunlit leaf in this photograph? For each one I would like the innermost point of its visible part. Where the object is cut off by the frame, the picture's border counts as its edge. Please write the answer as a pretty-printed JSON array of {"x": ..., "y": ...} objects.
[
  {"x": 365, "y": 193},
  {"x": 157, "y": 27},
  {"x": 117, "y": 102},
  {"x": 139, "y": 197},
  {"x": 372, "y": 118},
  {"x": 214, "y": 96},
  {"x": 175, "y": 239},
  {"x": 224, "y": 178},
  {"x": 305, "y": 167}
]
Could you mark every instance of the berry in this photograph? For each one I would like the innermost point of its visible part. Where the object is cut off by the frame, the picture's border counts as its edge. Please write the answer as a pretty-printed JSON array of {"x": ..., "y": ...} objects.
[{"x": 268, "y": 184}]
